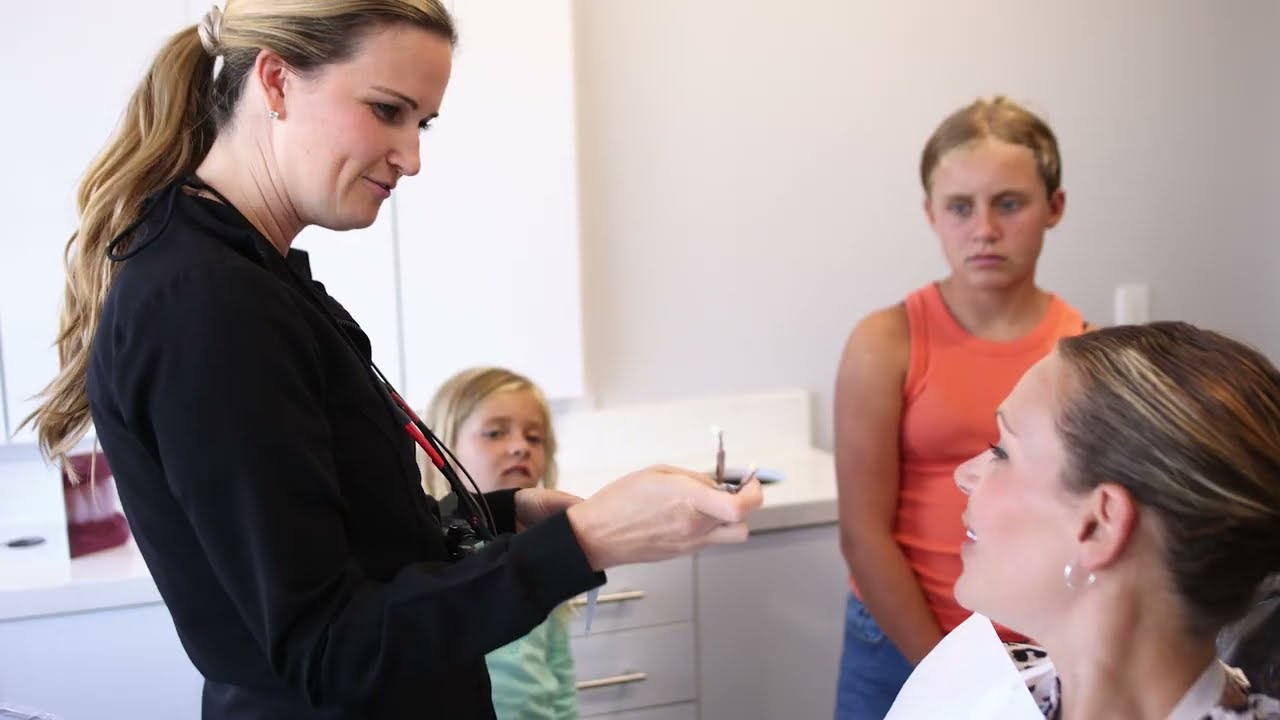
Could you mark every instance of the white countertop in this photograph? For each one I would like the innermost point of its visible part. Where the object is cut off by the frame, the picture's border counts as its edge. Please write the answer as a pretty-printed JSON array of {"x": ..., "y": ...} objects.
[
  {"x": 807, "y": 495},
  {"x": 108, "y": 579},
  {"x": 119, "y": 578}
]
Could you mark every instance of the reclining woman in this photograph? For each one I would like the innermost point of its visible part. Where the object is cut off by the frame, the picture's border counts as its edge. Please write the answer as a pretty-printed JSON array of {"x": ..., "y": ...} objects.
[{"x": 1129, "y": 511}]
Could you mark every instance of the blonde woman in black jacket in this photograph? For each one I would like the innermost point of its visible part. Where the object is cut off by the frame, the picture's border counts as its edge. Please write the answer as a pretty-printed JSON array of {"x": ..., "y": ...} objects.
[{"x": 266, "y": 469}]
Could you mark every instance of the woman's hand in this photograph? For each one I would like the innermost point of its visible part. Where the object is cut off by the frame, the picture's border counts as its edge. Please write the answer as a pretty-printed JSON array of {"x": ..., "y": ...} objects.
[
  {"x": 659, "y": 513},
  {"x": 533, "y": 505}
]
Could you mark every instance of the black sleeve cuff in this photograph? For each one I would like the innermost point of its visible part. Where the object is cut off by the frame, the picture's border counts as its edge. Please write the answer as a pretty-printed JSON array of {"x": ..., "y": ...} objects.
[
  {"x": 551, "y": 553},
  {"x": 502, "y": 505}
]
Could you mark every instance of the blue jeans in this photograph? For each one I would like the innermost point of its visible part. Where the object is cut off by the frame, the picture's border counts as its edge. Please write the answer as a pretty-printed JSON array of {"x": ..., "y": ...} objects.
[{"x": 872, "y": 671}]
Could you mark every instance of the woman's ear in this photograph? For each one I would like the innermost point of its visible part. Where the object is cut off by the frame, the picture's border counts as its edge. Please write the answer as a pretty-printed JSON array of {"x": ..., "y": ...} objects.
[
  {"x": 1108, "y": 517},
  {"x": 273, "y": 75}
]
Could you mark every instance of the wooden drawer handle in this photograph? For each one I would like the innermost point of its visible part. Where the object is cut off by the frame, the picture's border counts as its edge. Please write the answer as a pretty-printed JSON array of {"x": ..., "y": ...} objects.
[
  {"x": 623, "y": 679},
  {"x": 609, "y": 598}
]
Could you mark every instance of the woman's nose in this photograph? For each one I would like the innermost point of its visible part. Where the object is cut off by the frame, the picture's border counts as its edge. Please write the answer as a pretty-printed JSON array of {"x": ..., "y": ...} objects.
[
  {"x": 966, "y": 475},
  {"x": 407, "y": 157}
]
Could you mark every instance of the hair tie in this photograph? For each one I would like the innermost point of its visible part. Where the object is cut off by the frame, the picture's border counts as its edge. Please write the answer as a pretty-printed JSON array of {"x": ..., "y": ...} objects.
[{"x": 209, "y": 29}]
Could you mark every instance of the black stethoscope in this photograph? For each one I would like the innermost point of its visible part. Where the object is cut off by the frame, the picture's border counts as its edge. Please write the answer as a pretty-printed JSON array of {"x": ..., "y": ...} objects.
[{"x": 473, "y": 508}]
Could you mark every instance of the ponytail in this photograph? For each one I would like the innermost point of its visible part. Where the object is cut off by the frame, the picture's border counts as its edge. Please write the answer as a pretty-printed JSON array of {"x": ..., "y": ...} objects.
[{"x": 166, "y": 131}]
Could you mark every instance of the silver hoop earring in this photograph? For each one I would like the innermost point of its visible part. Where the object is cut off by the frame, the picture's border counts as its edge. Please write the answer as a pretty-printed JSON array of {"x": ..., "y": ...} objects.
[
  {"x": 273, "y": 115},
  {"x": 1069, "y": 575}
]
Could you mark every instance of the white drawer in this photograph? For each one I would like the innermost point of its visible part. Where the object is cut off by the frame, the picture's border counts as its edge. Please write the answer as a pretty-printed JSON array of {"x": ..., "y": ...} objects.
[
  {"x": 635, "y": 668},
  {"x": 639, "y": 596},
  {"x": 683, "y": 711}
]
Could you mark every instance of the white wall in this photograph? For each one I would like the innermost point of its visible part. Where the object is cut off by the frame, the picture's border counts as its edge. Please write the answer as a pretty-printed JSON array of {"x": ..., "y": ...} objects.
[
  {"x": 749, "y": 182},
  {"x": 747, "y": 173},
  {"x": 1268, "y": 63},
  {"x": 488, "y": 231},
  {"x": 58, "y": 112}
]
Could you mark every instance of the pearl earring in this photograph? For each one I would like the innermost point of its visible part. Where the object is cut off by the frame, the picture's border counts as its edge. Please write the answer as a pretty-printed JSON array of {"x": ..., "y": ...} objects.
[
  {"x": 273, "y": 115},
  {"x": 1073, "y": 582}
]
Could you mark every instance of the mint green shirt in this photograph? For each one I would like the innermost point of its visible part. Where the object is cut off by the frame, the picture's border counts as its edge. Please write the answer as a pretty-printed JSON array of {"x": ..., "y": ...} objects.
[{"x": 533, "y": 677}]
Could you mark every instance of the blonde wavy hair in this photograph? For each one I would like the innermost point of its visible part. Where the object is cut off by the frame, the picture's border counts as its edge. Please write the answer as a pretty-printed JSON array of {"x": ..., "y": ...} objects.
[
  {"x": 168, "y": 127},
  {"x": 458, "y": 397}
]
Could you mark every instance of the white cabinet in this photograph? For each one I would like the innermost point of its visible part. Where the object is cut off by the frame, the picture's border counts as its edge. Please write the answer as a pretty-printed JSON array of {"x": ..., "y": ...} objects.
[
  {"x": 770, "y": 625},
  {"x": 680, "y": 711},
  {"x": 358, "y": 268},
  {"x": 121, "y": 664},
  {"x": 637, "y": 668},
  {"x": 640, "y": 651},
  {"x": 488, "y": 231},
  {"x": 640, "y": 596},
  {"x": 756, "y": 636},
  {"x": 67, "y": 74}
]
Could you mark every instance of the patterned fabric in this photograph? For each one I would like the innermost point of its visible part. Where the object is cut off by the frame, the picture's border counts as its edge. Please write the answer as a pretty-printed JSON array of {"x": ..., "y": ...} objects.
[{"x": 1042, "y": 680}]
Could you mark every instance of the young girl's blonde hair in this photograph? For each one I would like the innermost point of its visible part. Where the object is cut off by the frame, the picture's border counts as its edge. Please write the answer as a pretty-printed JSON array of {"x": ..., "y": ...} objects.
[
  {"x": 458, "y": 397},
  {"x": 1002, "y": 119}
]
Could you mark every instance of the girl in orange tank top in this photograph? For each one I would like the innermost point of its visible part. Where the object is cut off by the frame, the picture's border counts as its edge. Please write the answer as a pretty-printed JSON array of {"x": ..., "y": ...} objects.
[{"x": 919, "y": 383}]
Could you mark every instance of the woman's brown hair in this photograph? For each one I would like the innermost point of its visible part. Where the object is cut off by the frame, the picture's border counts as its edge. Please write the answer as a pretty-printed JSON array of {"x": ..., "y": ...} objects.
[{"x": 1188, "y": 421}]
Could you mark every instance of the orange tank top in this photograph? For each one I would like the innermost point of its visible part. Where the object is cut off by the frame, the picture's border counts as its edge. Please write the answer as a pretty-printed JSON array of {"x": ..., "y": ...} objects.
[{"x": 953, "y": 386}]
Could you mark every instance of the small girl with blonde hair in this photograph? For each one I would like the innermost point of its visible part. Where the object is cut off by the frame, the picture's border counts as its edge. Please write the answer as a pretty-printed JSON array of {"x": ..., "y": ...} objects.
[{"x": 499, "y": 426}]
